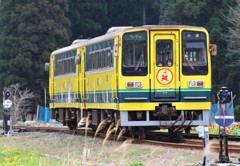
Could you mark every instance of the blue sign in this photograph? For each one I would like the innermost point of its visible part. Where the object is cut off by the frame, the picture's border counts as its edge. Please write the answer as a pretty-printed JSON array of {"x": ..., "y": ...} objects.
[
  {"x": 7, "y": 103},
  {"x": 216, "y": 107},
  {"x": 224, "y": 117}
]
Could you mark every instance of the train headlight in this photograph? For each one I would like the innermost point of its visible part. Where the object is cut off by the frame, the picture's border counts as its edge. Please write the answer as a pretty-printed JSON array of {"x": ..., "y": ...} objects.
[
  {"x": 195, "y": 83},
  {"x": 130, "y": 85},
  {"x": 134, "y": 84},
  {"x": 191, "y": 84},
  {"x": 138, "y": 84}
]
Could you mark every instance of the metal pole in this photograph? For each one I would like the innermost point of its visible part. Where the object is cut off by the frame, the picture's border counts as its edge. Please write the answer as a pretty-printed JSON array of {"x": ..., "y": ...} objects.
[
  {"x": 45, "y": 118},
  {"x": 206, "y": 140},
  {"x": 203, "y": 132},
  {"x": 45, "y": 103},
  {"x": 221, "y": 147},
  {"x": 226, "y": 148},
  {"x": 144, "y": 14},
  {"x": 45, "y": 97}
]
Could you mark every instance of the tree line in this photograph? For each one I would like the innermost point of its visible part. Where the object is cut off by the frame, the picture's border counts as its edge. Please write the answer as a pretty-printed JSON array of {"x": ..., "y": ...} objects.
[{"x": 31, "y": 30}]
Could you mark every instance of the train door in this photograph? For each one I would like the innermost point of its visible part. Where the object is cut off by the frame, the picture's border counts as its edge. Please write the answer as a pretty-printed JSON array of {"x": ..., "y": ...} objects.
[
  {"x": 82, "y": 78},
  {"x": 165, "y": 65},
  {"x": 115, "y": 74},
  {"x": 77, "y": 83},
  {"x": 51, "y": 81}
]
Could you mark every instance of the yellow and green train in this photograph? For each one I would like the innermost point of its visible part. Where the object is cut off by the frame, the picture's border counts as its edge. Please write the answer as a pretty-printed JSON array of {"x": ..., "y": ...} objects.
[{"x": 147, "y": 77}]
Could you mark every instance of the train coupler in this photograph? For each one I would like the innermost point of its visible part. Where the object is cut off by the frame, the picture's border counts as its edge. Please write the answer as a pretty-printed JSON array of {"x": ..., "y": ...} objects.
[{"x": 165, "y": 110}]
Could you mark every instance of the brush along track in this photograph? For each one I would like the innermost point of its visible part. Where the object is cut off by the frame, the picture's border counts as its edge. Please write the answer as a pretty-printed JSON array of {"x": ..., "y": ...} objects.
[{"x": 184, "y": 144}]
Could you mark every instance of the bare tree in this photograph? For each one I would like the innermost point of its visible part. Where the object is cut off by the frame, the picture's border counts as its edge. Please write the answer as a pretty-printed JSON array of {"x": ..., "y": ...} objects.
[{"x": 22, "y": 99}]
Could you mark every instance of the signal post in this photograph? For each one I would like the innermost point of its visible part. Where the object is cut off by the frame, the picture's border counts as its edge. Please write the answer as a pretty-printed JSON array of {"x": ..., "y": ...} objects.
[{"x": 224, "y": 117}]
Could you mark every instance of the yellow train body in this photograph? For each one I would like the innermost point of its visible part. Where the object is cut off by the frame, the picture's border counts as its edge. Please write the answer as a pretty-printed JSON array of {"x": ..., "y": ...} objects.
[{"x": 155, "y": 72}]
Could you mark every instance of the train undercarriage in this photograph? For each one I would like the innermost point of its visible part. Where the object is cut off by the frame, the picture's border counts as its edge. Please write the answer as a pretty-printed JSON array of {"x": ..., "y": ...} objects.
[{"x": 137, "y": 123}]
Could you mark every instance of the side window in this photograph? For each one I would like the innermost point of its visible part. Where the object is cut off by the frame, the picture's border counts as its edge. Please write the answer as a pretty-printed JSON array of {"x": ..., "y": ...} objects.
[
  {"x": 62, "y": 67},
  {"x": 92, "y": 60},
  {"x": 100, "y": 55},
  {"x": 106, "y": 58},
  {"x": 96, "y": 60},
  {"x": 73, "y": 65},
  {"x": 103, "y": 59},
  {"x": 100, "y": 60},
  {"x": 87, "y": 62},
  {"x": 109, "y": 58},
  {"x": 65, "y": 66},
  {"x": 112, "y": 57},
  {"x": 164, "y": 53},
  {"x": 55, "y": 68},
  {"x": 64, "y": 63},
  {"x": 69, "y": 66}
]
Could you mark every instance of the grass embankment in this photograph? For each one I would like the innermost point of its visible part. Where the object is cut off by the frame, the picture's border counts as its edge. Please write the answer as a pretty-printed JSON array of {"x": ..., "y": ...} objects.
[
  {"x": 62, "y": 149},
  {"x": 69, "y": 150}
]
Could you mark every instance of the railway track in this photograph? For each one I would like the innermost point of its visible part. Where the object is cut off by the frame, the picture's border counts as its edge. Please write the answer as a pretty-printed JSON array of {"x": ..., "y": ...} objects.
[
  {"x": 195, "y": 136},
  {"x": 183, "y": 144}
]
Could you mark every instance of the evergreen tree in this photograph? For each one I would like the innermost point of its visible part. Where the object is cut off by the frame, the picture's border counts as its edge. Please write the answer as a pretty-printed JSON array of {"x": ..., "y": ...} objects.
[
  {"x": 131, "y": 12},
  {"x": 124, "y": 13},
  {"x": 89, "y": 18},
  {"x": 29, "y": 32}
]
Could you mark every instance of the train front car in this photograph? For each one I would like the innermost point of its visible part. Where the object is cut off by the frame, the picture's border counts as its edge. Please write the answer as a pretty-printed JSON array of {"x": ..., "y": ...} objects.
[{"x": 164, "y": 78}]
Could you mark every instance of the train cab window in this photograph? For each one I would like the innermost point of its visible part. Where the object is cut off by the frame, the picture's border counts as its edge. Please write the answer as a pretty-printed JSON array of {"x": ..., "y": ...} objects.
[
  {"x": 194, "y": 53},
  {"x": 164, "y": 53},
  {"x": 134, "y": 54}
]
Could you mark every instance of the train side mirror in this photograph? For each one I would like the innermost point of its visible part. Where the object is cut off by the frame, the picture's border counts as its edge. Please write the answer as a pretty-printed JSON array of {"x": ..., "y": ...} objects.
[
  {"x": 77, "y": 60},
  {"x": 46, "y": 66},
  {"x": 213, "y": 49}
]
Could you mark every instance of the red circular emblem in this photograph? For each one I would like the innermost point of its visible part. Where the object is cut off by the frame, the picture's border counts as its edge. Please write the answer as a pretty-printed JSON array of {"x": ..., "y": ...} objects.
[{"x": 164, "y": 76}]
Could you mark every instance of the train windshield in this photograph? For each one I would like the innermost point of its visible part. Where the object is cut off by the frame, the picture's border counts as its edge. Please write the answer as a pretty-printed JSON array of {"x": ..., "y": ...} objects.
[
  {"x": 194, "y": 53},
  {"x": 134, "y": 54}
]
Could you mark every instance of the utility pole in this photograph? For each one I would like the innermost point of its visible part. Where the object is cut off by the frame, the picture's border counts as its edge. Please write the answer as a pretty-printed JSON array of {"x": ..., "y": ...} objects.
[{"x": 144, "y": 14}]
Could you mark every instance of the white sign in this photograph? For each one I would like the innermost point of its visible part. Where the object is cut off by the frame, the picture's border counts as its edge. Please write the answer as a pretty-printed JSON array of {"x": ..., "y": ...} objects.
[{"x": 7, "y": 103}]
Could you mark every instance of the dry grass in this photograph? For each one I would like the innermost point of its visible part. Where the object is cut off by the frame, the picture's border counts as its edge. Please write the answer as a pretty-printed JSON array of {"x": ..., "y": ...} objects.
[
  {"x": 121, "y": 133},
  {"x": 74, "y": 149}
]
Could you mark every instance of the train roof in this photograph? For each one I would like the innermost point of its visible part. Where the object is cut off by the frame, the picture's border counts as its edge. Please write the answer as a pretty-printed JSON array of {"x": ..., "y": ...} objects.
[{"x": 113, "y": 31}]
